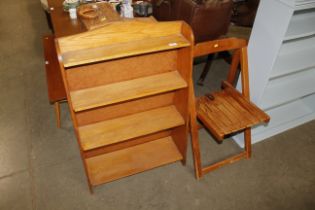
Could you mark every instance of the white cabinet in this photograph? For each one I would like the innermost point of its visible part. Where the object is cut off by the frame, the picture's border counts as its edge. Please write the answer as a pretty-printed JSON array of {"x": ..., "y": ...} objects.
[{"x": 282, "y": 64}]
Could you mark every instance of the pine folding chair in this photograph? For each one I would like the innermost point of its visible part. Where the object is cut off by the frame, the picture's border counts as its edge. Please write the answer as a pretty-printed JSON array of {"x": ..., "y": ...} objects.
[{"x": 225, "y": 112}]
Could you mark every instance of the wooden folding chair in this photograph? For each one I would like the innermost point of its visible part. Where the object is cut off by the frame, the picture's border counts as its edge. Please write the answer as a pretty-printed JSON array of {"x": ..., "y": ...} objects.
[{"x": 225, "y": 112}]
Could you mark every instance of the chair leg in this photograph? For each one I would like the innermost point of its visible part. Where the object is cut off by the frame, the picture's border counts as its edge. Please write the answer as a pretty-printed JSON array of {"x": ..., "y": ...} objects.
[
  {"x": 224, "y": 162},
  {"x": 91, "y": 188},
  {"x": 57, "y": 112},
  {"x": 199, "y": 171},
  {"x": 195, "y": 147},
  {"x": 205, "y": 69},
  {"x": 248, "y": 142},
  {"x": 194, "y": 129}
]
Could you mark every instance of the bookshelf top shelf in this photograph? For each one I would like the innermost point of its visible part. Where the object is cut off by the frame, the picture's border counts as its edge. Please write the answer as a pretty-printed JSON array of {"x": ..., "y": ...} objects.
[{"x": 120, "y": 39}]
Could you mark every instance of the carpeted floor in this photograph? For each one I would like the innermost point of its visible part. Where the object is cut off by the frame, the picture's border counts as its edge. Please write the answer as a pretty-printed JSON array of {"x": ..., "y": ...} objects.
[{"x": 40, "y": 167}]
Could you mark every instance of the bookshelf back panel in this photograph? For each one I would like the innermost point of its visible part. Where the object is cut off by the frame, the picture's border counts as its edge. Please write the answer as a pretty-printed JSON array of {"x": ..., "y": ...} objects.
[
  {"x": 129, "y": 143},
  {"x": 125, "y": 108},
  {"x": 121, "y": 70}
]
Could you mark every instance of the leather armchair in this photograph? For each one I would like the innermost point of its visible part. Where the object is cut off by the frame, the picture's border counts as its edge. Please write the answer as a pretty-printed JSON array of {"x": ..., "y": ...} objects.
[
  {"x": 209, "y": 19},
  {"x": 244, "y": 12}
]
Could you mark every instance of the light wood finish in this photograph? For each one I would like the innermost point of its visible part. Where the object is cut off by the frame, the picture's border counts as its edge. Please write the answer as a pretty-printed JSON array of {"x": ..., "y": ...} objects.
[
  {"x": 219, "y": 164},
  {"x": 124, "y": 108},
  {"x": 146, "y": 97},
  {"x": 194, "y": 128},
  {"x": 132, "y": 160},
  {"x": 250, "y": 106},
  {"x": 126, "y": 144},
  {"x": 119, "y": 70},
  {"x": 244, "y": 75},
  {"x": 73, "y": 117},
  {"x": 131, "y": 126},
  {"x": 181, "y": 96},
  {"x": 106, "y": 36},
  {"x": 226, "y": 112},
  {"x": 122, "y": 91},
  {"x": 233, "y": 68},
  {"x": 103, "y": 44},
  {"x": 248, "y": 142},
  {"x": 209, "y": 47},
  {"x": 102, "y": 53}
]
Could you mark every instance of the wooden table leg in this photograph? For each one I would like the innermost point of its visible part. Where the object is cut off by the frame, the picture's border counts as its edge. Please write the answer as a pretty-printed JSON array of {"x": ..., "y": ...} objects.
[{"x": 57, "y": 112}]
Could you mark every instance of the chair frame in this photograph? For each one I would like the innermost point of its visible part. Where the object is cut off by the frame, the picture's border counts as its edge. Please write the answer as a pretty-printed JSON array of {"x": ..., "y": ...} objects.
[{"x": 240, "y": 57}]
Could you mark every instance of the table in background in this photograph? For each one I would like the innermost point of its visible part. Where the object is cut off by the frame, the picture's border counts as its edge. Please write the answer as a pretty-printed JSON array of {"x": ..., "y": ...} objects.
[{"x": 63, "y": 26}]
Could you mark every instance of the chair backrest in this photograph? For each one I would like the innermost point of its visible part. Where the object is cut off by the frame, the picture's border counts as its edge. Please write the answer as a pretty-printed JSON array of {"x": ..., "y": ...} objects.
[{"x": 239, "y": 51}]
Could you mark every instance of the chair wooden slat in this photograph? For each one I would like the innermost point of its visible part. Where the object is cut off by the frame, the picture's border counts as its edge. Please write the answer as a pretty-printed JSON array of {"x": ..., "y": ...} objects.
[
  {"x": 243, "y": 114},
  {"x": 251, "y": 107},
  {"x": 228, "y": 114}
]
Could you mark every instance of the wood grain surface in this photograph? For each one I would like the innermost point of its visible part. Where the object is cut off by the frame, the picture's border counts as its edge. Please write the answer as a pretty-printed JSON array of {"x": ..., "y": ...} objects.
[
  {"x": 132, "y": 160},
  {"x": 127, "y": 127},
  {"x": 123, "y": 91}
]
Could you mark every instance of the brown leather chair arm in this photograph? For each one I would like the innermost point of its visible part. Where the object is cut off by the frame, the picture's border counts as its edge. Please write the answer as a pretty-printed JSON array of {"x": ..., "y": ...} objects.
[{"x": 209, "y": 19}]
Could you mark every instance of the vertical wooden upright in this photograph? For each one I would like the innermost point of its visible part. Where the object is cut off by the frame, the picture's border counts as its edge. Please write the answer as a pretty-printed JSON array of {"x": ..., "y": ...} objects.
[{"x": 127, "y": 86}]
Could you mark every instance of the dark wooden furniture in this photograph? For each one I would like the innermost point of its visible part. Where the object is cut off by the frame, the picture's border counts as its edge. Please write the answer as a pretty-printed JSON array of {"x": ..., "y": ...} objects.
[
  {"x": 62, "y": 26},
  {"x": 56, "y": 89},
  {"x": 228, "y": 111},
  {"x": 61, "y": 22},
  {"x": 128, "y": 87}
]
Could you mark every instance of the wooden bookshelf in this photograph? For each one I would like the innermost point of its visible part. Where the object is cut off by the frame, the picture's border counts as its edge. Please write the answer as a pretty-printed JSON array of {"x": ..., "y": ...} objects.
[{"x": 127, "y": 85}]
